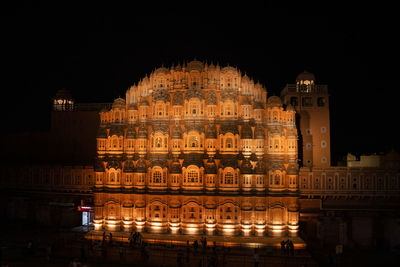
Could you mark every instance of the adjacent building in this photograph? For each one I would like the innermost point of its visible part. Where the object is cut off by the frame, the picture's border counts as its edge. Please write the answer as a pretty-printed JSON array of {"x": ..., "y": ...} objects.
[{"x": 200, "y": 148}]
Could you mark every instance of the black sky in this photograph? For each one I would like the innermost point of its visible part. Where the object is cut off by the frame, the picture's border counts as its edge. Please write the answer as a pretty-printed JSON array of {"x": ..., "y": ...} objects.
[{"x": 97, "y": 52}]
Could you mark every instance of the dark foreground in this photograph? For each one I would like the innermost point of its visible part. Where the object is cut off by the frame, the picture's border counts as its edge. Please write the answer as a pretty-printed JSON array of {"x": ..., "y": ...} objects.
[{"x": 65, "y": 247}]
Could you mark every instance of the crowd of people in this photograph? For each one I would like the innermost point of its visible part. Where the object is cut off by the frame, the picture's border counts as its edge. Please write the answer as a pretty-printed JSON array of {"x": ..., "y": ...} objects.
[{"x": 210, "y": 253}]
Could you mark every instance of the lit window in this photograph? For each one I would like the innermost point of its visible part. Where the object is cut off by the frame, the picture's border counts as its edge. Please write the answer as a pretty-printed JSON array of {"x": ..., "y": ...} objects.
[
  {"x": 229, "y": 143},
  {"x": 193, "y": 141},
  {"x": 277, "y": 179},
  {"x": 158, "y": 142},
  {"x": 157, "y": 177},
  {"x": 193, "y": 176},
  {"x": 228, "y": 178}
]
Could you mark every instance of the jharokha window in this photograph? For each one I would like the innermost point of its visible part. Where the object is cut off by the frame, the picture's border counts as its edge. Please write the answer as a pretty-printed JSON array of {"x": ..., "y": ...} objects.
[
  {"x": 193, "y": 176},
  {"x": 157, "y": 175},
  {"x": 228, "y": 178},
  {"x": 158, "y": 142},
  {"x": 277, "y": 179},
  {"x": 229, "y": 143},
  {"x": 193, "y": 141}
]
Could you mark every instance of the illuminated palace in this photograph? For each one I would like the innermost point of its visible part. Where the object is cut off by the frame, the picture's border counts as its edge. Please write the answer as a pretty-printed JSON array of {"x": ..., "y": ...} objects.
[
  {"x": 201, "y": 149},
  {"x": 197, "y": 149}
]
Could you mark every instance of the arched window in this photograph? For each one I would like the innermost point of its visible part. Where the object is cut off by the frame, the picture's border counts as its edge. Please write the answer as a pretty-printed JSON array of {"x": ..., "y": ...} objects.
[
  {"x": 228, "y": 178},
  {"x": 277, "y": 179},
  {"x": 112, "y": 177},
  {"x": 193, "y": 141},
  {"x": 194, "y": 108},
  {"x": 157, "y": 175},
  {"x": 159, "y": 110},
  {"x": 158, "y": 142},
  {"x": 275, "y": 116},
  {"x": 115, "y": 142},
  {"x": 229, "y": 143},
  {"x": 116, "y": 116},
  {"x": 193, "y": 176}
]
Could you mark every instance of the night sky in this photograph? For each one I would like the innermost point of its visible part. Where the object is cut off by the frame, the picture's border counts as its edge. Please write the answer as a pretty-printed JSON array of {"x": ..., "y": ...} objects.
[{"x": 97, "y": 52}]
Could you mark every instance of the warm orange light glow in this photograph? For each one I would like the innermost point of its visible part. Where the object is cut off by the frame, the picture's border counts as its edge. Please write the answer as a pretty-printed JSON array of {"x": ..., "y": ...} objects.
[
  {"x": 160, "y": 120},
  {"x": 210, "y": 225}
]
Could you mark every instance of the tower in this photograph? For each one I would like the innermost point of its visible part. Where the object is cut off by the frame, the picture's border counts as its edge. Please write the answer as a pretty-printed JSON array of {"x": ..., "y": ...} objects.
[{"x": 311, "y": 102}]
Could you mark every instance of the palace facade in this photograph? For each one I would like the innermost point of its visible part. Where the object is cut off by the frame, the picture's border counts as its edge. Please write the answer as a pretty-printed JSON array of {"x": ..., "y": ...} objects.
[
  {"x": 197, "y": 148},
  {"x": 201, "y": 149}
]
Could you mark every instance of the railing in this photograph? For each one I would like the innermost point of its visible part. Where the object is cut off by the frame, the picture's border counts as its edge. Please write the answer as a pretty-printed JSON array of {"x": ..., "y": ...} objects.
[
  {"x": 83, "y": 107},
  {"x": 292, "y": 88}
]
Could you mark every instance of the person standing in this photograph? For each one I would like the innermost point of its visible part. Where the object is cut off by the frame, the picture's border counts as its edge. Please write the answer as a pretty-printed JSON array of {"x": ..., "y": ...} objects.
[
  {"x": 291, "y": 245},
  {"x": 110, "y": 239},
  {"x": 121, "y": 253},
  {"x": 283, "y": 243},
  {"x": 48, "y": 252},
  {"x": 256, "y": 258},
  {"x": 104, "y": 237}
]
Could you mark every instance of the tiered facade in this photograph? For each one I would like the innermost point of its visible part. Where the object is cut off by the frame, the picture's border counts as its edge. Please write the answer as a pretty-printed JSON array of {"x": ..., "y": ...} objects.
[{"x": 197, "y": 149}]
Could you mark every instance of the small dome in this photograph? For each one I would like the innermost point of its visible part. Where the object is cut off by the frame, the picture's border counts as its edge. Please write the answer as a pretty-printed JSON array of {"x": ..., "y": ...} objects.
[
  {"x": 259, "y": 132},
  {"x": 247, "y": 133},
  {"x": 195, "y": 65},
  {"x": 275, "y": 130},
  {"x": 142, "y": 132},
  {"x": 144, "y": 102},
  {"x": 131, "y": 133},
  {"x": 260, "y": 167},
  {"x": 129, "y": 167},
  {"x": 211, "y": 67},
  {"x": 114, "y": 163},
  {"x": 305, "y": 76},
  {"x": 132, "y": 106},
  {"x": 211, "y": 167},
  {"x": 175, "y": 167},
  {"x": 119, "y": 103},
  {"x": 211, "y": 132},
  {"x": 116, "y": 130},
  {"x": 158, "y": 162},
  {"x": 176, "y": 132},
  {"x": 276, "y": 165},
  {"x": 228, "y": 128},
  {"x": 258, "y": 105},
  {"x": 246, "y": 167},
  {"x": 274, "y": 101},
  {"x": 289, "y": 108},
  {"x": 98, "y": 166},
  {"x": 193, "y": 159},
  {"x": 211, "y": 98},
  {"x": 178, "y": 99},
  {"x": 141, "y": 166},
  {"x": 292, "y": 169},
  {"x": 228, "y": 161},
  {"x": 162, "y": 70}
]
